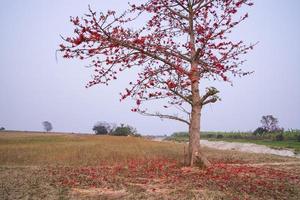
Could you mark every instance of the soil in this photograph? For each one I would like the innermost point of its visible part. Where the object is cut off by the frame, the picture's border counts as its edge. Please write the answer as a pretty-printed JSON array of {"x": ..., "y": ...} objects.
[{"x": 247, "y": 147}]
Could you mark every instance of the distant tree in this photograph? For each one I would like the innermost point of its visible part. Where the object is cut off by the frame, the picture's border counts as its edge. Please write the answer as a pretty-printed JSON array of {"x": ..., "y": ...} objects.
[
  {"x": 270, "y": 123},
  {"x": 47, "y": 126},
  {"x": 102, "y": 128},
  {"x": 2, "y": 129},
  {"x": 125, "y": 131}
]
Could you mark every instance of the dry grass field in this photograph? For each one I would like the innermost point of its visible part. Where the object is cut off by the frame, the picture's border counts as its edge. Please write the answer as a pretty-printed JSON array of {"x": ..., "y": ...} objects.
[{"x": 70, "y": 166}]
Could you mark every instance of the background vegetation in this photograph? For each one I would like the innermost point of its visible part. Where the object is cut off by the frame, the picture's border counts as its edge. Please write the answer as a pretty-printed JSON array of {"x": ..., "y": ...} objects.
[{"x": 286, "y": 139}]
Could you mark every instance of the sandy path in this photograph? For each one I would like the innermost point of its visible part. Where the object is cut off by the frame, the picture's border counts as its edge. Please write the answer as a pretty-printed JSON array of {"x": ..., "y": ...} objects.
[
  {"x": 268, "y": 164},
  {"x": 247, "y": 147}
]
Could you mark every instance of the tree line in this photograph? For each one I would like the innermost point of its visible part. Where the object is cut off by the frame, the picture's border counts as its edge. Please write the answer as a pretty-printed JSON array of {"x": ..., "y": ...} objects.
[{"x": 104, "y": 128}]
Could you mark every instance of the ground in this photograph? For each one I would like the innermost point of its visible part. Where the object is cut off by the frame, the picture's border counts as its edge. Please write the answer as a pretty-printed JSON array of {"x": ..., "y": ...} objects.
[{"x": 70, "y": 166}]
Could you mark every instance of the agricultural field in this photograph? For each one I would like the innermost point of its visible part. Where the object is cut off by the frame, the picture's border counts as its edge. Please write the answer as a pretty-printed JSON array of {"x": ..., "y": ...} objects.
[{"x": 71, "y": 166}]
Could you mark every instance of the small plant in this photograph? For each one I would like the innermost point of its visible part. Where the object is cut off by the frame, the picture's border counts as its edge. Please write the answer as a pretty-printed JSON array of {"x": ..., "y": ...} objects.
[{"x": 279, "y": 137}]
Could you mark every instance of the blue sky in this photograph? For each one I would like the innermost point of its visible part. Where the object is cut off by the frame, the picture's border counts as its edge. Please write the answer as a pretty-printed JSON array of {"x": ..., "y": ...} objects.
[{"x": 36, "y": 87}]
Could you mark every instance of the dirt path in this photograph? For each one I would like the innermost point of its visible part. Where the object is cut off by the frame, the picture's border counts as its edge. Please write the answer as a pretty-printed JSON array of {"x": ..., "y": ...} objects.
[
  {"x": 268, "y": 164},
  {"x": 247, "y": 147}
]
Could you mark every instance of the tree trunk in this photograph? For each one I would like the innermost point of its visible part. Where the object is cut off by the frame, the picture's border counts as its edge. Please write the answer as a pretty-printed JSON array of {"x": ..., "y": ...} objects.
[{"x": 195, "y": 156}]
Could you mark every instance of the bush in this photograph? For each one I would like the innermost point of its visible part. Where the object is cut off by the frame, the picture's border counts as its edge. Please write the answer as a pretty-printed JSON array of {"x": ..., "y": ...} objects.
[
  {"x": 2, "y": 129},
  {"x": 279, "y": 137},
  {"x": 219, "y": 136},
  {"x": 125, "y": 131},
  {"x": 100, "y": 130},
  {"x": 260, "y": 131}
]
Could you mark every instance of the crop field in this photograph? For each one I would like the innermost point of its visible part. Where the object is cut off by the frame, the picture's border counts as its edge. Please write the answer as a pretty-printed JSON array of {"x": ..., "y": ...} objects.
[{"x": 71, "y": 166}]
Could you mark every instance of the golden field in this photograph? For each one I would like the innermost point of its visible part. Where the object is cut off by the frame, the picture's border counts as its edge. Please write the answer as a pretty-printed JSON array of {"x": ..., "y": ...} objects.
[{"x": 73, "y": 166}]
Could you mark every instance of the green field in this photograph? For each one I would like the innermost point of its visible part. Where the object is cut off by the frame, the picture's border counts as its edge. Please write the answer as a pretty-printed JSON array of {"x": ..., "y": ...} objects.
[{"x": 71, "y": 166}]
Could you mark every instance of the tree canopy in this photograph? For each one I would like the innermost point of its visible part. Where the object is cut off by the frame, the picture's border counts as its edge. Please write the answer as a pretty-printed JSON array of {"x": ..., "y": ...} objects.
[{"x": 180, "y": 43}]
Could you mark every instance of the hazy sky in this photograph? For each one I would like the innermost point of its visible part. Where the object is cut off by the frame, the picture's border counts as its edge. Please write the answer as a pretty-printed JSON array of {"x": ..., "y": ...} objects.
[{"x": 35, "y": 87}]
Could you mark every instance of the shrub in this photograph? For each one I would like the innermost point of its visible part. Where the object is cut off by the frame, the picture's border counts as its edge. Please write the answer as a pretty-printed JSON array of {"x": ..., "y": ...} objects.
[
  {"x": 124, "y": 131},
  {"x": 210, "y": 135},
  {"x": 260, "y": 131},
  {"x": 100, "y": 130},
  {"x": 279, "y": 137},
  {"x": 219, "y": 136},
  {"x": 2, "y": 129}
]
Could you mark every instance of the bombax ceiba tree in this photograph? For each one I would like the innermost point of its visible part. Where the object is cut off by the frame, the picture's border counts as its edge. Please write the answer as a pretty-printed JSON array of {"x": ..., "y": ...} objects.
[{"x": 180, "y": 43}]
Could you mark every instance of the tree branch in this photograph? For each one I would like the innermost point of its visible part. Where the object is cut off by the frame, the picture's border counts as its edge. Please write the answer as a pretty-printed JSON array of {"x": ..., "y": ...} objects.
[
  {"x": 181, "y": 96},
  {"x": 164, "y": 116},
  {"x": 201, "y": 5},
  {"x": 212, "y": 100},
  {"x": 210, "y": 96},
  {"x": 175, "y": 12},
  {"x": 181, "y": 5}
]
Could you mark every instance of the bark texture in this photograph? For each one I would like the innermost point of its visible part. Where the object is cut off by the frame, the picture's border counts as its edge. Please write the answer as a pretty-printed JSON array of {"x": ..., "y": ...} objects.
[{"x": 195, "y": 156}]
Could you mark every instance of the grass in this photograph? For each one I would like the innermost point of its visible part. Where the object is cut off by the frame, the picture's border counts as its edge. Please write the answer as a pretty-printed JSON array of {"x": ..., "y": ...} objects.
[
  {"x": 78, "y": 150},
  {"x": 70, "y": 166}
]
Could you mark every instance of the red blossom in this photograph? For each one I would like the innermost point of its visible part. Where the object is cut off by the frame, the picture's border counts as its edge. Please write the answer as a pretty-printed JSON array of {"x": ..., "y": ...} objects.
[
  {"x": 180, "y": 44},
  {"x": 236, "y": 179}
]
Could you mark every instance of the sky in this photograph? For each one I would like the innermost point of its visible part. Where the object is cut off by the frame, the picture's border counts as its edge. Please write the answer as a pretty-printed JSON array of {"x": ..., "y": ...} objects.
[{"x": 37, "y": 85}]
